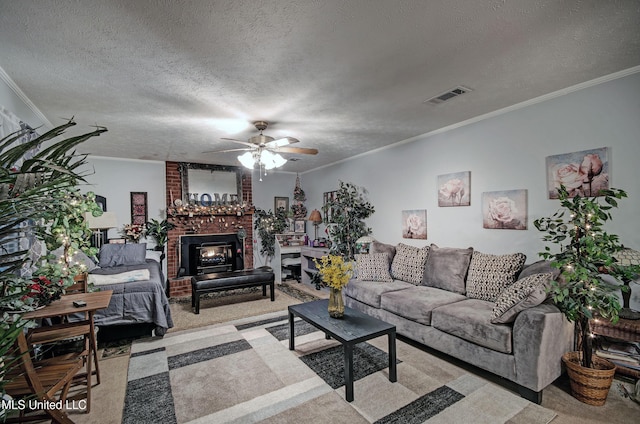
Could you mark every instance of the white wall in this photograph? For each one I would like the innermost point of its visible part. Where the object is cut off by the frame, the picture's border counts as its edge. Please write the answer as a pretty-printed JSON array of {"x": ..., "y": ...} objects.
[
  {"x": 115, "y": 179},
  {"x": 503, "y": 152}
]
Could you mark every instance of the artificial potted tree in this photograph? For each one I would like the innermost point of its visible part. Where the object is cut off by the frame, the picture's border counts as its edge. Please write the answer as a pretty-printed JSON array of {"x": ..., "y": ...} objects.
[
  {"x": 583, "y": 252},
  {"x": 268, "y": 224},
  {"x": 348, "y": 210}
]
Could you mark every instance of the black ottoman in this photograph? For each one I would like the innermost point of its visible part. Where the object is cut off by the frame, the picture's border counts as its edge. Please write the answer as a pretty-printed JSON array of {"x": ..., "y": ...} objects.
[{"x": 221, "y": 281}]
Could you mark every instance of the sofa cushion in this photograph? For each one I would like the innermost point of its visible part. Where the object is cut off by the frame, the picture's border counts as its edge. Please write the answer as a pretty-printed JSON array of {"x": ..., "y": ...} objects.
[
  {"x": 417, "y": 303},
  {"x": 389, "y": 249},
  {"x": 373, "y": 267},
  {"x": 525, "y": 293},
  {"x": 540, "y": 267},
  {"x": 471, "y": 320},
  {"x": 489, "y": 275},
  {"x": 408, "y": 263},
  {"x": 447, "y": 268},
  {"x": 370, "y": 292}
]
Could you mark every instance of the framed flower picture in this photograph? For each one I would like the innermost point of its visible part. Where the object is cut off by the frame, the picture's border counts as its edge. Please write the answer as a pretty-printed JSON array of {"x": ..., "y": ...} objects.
[
  {"x": 504, "y": 210},
  {"x": 414, "y": 224},
  {"x": 583, "y": 173},
  {"x": 454, "y": 189}
]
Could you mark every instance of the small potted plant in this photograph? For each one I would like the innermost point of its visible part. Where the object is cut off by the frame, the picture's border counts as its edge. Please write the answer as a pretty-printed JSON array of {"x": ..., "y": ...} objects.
[
  {"x": 159, "y": 231},
  {"x": 584, "y": 252}
]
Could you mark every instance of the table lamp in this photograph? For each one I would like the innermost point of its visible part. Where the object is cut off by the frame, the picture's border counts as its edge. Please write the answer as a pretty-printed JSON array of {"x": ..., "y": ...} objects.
[
  {"x": 100, "y": 223},
  {"x": 316, "y": 219},
  {"x": 627, "y": 257}
]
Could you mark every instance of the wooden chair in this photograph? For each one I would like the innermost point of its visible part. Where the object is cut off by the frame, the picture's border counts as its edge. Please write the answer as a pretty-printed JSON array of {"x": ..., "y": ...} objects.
[
  {"x": 43, "y": 379},
  {"x": 68, "y": 331}
]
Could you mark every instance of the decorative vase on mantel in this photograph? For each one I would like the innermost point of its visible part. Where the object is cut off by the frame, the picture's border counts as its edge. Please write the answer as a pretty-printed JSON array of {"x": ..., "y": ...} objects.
[{"x": 336, "y": 303}]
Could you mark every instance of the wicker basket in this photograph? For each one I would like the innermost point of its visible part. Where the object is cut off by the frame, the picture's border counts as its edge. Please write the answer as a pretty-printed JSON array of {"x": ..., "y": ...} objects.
[{"x": 589, "y": 385}]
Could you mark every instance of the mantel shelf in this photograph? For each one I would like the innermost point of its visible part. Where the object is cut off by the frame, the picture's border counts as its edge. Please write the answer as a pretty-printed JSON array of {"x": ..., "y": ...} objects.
[{"x": 208, "y": 211}]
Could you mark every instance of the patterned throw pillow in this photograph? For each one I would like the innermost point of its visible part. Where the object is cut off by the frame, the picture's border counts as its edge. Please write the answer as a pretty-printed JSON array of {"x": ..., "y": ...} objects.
[
  {"x": 373, "y": 267},
  {"x": 408, "y": 263},
  {"x": 489, "y": 275},
  {"x": 525, "y": 293}
]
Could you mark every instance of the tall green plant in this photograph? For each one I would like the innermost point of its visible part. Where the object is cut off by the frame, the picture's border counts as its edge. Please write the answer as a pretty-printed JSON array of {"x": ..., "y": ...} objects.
[
  {"x": 583, "y": 252},
  {"x": 268, "y": 224},
  {"x": 348, "y": 210},
  {"x": 28, "y": 190}
]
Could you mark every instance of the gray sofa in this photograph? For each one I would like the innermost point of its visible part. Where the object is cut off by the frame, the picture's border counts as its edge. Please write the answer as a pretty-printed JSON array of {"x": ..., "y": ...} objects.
[{"x": 488, "y": 310}]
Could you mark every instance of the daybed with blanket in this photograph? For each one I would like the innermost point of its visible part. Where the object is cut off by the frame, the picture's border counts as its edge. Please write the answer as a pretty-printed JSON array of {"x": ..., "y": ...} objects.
[
  {"x": 488, "y": 310},
  {"x": 138, "y": 286}
]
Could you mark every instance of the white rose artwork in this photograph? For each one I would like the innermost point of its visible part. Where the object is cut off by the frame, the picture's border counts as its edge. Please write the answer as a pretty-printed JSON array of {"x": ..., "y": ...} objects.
[
  {"x": 414, "y": 224},
  {"x": 454, "y": 189},
  {"x": 506, "y": 210}
]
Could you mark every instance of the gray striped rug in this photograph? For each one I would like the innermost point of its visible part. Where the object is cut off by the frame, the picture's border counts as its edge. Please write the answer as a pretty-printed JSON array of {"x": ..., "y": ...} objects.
[{"x": 243, "y": 372}]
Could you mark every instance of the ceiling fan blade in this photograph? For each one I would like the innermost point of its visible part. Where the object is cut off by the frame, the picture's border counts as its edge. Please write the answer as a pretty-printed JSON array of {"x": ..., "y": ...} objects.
[
  {"x": 246, "y": 143},
  {"x": 284, "y": 141},
  {"x": 301, "y": 150},
  {"x": 229, "y": 150}
]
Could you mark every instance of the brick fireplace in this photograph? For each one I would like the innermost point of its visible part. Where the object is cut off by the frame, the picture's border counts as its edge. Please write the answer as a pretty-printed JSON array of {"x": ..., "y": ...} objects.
[{"x": 205, "y": 224}]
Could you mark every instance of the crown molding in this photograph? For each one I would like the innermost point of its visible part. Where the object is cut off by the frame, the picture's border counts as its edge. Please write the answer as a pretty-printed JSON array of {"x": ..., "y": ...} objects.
[{"x": 23, "y": 97}]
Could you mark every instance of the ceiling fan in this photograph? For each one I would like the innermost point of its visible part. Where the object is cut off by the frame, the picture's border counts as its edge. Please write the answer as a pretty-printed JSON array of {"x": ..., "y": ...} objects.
[{"x": 265, "y": 150}]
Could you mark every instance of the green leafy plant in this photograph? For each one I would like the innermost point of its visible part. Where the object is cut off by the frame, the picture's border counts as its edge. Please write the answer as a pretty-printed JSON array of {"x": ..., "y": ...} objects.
[
  {"x": 29, "y": 187},
  {"x": 268, "y": 224},
  {"x": 159, "y": 231},
  {"x": 349, "y": 208},
  {"x": 583, "y": 252}
]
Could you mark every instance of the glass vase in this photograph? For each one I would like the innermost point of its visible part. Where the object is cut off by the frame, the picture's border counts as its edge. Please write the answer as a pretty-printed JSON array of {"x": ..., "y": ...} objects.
[{"x": 336, "y": 303}]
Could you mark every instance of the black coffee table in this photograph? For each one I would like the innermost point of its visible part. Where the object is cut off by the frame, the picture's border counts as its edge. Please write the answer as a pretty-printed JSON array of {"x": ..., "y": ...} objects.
[{"x": 354, "y": 328}]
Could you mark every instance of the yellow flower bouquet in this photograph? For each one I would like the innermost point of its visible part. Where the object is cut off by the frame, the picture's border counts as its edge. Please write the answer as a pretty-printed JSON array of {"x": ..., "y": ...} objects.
[{"x": 334, "y": 271}]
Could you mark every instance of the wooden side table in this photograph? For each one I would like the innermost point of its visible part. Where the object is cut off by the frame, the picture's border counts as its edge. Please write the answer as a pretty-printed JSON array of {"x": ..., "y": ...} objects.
[
  {"x": 626, "y": 330},
  {"x": 62, "y": 307}
]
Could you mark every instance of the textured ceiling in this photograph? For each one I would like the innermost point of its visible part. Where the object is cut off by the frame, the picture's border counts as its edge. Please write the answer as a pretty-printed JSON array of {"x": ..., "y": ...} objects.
[{"x": 345, "y": 77}]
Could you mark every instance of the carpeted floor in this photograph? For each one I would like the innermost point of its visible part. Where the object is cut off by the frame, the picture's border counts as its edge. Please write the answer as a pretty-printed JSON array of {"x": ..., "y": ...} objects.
[
  {"x": 109, "y": 396},
  {"x": 243, "y": 372}
]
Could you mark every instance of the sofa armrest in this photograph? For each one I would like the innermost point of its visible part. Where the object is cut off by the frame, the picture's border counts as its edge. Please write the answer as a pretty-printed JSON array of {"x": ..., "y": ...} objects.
[{"x": 541, "y": 335}]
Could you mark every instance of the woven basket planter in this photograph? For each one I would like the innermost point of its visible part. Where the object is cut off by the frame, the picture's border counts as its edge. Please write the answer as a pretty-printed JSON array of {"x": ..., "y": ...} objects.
[{"x": 589, "y": 385}]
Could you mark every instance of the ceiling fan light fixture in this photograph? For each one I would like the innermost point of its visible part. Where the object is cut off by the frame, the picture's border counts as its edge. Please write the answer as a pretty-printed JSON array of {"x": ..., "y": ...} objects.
[
  {"x": 247, "y": 160},
  {"x": 271, "y": 160}
]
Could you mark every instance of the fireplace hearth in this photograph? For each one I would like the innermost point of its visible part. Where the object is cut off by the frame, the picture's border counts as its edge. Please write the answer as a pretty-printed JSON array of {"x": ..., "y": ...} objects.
[{"x": 207, "y": 253}]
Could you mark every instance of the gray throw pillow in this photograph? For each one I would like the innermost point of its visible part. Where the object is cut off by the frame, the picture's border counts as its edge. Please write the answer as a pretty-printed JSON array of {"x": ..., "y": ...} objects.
[
  {"x": 540, "y": 267},
  {"x": 447, "y": 268},
  {"x": 489, "y": 274},
  {"x": 373, "y": 267},
  {"x": 525, "y": 293},
  {"x": 408, "y": 263},
  {"x": 122, "y": 254},
  {"x": 79, "y": 257},
  {"x": 389, "y": 249}
]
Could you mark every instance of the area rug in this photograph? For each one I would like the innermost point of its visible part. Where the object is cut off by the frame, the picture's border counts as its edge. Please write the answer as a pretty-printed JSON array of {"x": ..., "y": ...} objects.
[{"x": 243, "y": 372}]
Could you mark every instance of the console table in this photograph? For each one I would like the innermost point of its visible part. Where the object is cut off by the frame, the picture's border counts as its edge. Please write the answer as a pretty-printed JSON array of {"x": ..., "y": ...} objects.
[
  {"x": 307, "y": 255},
  {"x": 626, "y": 330}
]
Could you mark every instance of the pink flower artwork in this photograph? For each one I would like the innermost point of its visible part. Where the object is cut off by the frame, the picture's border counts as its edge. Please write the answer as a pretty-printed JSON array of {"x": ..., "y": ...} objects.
[
  {"x": 414, "y": 224},
  {"x": 504, "y": 210},
  {"x": 454, "y": 189},
  {"x": 583, "y": 173}
]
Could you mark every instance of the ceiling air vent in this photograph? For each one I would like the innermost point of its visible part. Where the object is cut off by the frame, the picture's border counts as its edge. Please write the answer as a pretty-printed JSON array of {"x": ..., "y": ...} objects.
[{"x": 448, "y": 95}]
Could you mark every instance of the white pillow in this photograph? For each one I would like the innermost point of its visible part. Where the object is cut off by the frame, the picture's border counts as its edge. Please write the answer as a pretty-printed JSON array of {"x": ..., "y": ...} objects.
[{"x": 123, "y": 277}]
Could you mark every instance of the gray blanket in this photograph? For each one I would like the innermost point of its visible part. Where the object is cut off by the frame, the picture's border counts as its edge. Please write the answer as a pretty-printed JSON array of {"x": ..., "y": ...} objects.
[{"x": 138, "y": 301}]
